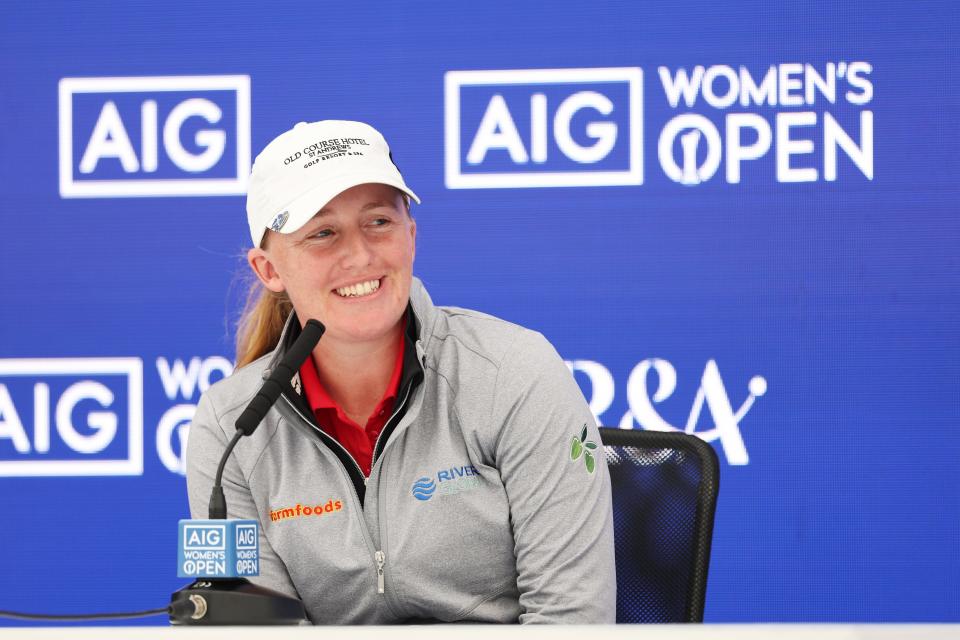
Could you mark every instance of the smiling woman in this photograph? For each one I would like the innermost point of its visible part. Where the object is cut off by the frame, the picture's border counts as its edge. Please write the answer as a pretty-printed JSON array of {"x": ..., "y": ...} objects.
[{"x": 447, "y": 428}]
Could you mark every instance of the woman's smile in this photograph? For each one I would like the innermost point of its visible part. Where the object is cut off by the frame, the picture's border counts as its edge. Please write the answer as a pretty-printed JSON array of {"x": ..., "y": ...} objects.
[{"x": 359, "y": 290}]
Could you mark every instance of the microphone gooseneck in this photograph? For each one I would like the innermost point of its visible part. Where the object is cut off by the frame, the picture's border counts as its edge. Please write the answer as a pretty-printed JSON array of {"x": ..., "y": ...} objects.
[
  {"x": 254, "y": 413},
  {"x": 301, "y": 348},
  {"x": 217, "y": 509}
]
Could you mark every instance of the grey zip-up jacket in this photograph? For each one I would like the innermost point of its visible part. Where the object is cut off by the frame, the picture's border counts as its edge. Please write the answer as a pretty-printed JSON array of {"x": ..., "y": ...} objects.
[{"x": 488, "y": 499}]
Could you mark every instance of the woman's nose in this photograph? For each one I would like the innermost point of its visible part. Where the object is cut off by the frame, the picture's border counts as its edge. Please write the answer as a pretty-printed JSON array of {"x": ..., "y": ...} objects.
[{"x": 357, "y": 251}]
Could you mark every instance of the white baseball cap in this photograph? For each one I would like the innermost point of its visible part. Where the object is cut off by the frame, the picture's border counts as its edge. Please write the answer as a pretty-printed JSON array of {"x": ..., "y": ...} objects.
[{"x": 301, "y": 170}]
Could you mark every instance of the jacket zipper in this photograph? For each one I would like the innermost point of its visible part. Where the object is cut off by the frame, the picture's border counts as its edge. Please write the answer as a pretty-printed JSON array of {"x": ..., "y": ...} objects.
[
  {"x": 379, "y": 556},
  {"x": 381, "y": 560}
]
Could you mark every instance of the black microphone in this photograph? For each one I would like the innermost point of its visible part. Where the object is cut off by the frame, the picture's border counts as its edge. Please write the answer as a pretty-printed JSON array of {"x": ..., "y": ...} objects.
[
  {"x": 253, "y": 415},
  {"x": 235, "y": 601},
  {"x": 268, "y": 394}
]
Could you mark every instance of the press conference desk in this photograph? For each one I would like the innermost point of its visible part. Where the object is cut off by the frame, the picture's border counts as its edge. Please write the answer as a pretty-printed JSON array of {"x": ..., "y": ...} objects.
[{"x": 480, "y": 632}]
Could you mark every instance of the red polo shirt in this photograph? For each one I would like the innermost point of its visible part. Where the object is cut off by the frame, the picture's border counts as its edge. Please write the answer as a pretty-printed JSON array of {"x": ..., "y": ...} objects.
[{"x": 359, "y": 441}]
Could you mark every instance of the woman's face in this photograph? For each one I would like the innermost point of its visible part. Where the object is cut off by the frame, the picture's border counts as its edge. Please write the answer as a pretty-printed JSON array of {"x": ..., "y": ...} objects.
[{"x": 350, "y": 266}]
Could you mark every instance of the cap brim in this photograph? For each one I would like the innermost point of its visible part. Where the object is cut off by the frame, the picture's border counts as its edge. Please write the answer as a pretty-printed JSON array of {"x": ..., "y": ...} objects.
[{"x": 301, "y": 210}]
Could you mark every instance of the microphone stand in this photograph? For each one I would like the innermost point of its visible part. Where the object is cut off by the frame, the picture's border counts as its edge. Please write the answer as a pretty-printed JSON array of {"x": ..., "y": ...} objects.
[{"x": 234, "y": 601}]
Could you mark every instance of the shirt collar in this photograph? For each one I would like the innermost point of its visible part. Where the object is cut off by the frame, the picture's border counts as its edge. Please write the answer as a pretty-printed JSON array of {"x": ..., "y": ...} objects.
[
  {"x": 411, "y": 371},
  {"x": 317, "y": 396}
]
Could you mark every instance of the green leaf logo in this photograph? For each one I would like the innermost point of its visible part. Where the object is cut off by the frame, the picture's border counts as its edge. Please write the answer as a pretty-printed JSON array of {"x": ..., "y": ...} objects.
[
  {"x": 576, "y": 448},
  {"x": 583, "y": 447}
]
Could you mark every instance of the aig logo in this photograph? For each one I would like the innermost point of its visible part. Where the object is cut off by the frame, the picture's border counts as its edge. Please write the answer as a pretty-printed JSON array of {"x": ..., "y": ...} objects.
[
  {"x": 154, "y": 136},
  {"x": 204, "y": 537},
  {"x": 543, "y": 128},
  {"x": 71, "y": 417},
  {"x": 247, "y": 537}
]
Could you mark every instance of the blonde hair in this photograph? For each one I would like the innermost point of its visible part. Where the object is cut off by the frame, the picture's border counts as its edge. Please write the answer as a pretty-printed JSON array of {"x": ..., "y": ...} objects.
[{"x": 261, "y": 322}]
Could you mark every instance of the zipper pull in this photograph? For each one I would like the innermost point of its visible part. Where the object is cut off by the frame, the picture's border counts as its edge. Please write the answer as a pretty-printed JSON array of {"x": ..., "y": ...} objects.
[{"x": 381, "y": 559}]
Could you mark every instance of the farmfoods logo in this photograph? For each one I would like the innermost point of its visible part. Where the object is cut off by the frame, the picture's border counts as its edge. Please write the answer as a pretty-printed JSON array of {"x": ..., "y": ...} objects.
[{"x": 446, "y": 482}]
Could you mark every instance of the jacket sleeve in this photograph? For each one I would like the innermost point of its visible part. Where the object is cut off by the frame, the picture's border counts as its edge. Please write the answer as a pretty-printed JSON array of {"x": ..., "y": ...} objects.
[
  {"x": 205, "y": 446},
  {"x": 555, "y": 475}
]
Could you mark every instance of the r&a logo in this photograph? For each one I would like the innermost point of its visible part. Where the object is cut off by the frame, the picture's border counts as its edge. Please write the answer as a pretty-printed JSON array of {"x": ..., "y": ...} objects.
[
  {"x": 544, "y": 128},
  {"x": 726, "y": 421},
  {"x": 641, "y": 412},
  {"x": 154, "y": 136}
]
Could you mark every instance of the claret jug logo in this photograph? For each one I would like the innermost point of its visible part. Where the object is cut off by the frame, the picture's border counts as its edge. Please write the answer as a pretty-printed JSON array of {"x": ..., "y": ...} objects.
[
  {"x": 154, "y": 136},
  {"x": 543, "y": 128},
  {"x": 280, "y": 220},
  {"x": 71, "y": 417}
]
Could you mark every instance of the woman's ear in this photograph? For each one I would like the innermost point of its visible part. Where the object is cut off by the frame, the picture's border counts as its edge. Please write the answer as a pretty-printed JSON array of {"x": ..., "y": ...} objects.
[
  {"x": 266, "y": 272},
  {"x": 413, "y": 237}
]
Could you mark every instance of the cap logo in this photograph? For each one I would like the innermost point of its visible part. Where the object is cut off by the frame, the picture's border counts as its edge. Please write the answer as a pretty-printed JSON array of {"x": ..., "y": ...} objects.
[{"x": 279, "y": 221}]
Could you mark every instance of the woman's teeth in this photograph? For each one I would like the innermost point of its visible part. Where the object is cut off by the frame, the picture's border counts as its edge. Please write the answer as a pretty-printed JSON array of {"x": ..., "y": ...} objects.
[{"x": 359, "y": 290}]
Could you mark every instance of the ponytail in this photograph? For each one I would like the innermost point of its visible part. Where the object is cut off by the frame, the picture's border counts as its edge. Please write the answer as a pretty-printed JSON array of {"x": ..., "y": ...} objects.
[{"x": 261, "y": 323}]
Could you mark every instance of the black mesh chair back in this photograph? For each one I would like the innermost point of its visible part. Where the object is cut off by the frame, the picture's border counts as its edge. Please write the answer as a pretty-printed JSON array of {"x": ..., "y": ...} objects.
[{"x": 664, "y": 496}]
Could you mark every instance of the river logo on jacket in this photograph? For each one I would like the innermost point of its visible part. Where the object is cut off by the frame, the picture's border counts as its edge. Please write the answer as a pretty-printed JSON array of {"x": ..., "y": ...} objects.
[
  {"x": 423, "y": 488},
  {"x": 445, "y": 482}
]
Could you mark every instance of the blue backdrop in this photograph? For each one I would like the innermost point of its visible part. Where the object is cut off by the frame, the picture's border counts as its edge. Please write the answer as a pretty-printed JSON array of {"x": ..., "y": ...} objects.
[{"x": 736, "y": 219}]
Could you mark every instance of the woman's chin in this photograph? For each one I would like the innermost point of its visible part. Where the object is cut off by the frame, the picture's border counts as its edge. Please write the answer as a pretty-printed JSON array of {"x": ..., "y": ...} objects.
[
  {"x": 359, "y": 319},
  {"x": 359, "y": 331}
]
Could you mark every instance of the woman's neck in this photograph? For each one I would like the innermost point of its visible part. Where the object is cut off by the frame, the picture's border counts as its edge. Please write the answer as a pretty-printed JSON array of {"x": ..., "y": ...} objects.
[{"x": 356, "y": 375}]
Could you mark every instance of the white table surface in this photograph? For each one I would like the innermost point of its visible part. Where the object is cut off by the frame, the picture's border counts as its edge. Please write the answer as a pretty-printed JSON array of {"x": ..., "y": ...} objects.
[{"x": 505, "y": 632}]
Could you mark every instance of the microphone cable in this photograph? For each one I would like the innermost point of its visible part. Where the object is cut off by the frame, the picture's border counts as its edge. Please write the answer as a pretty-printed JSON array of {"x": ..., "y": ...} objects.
[{"x": 174, "y": 610}]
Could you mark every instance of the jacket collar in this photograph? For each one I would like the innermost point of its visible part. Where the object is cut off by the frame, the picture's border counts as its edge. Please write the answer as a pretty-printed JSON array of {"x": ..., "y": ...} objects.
[{"x": 424, "y": 316}]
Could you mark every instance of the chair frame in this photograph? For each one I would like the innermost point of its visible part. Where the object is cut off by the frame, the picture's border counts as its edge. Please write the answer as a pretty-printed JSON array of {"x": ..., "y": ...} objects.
[{"x": 706, "y": 499}]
